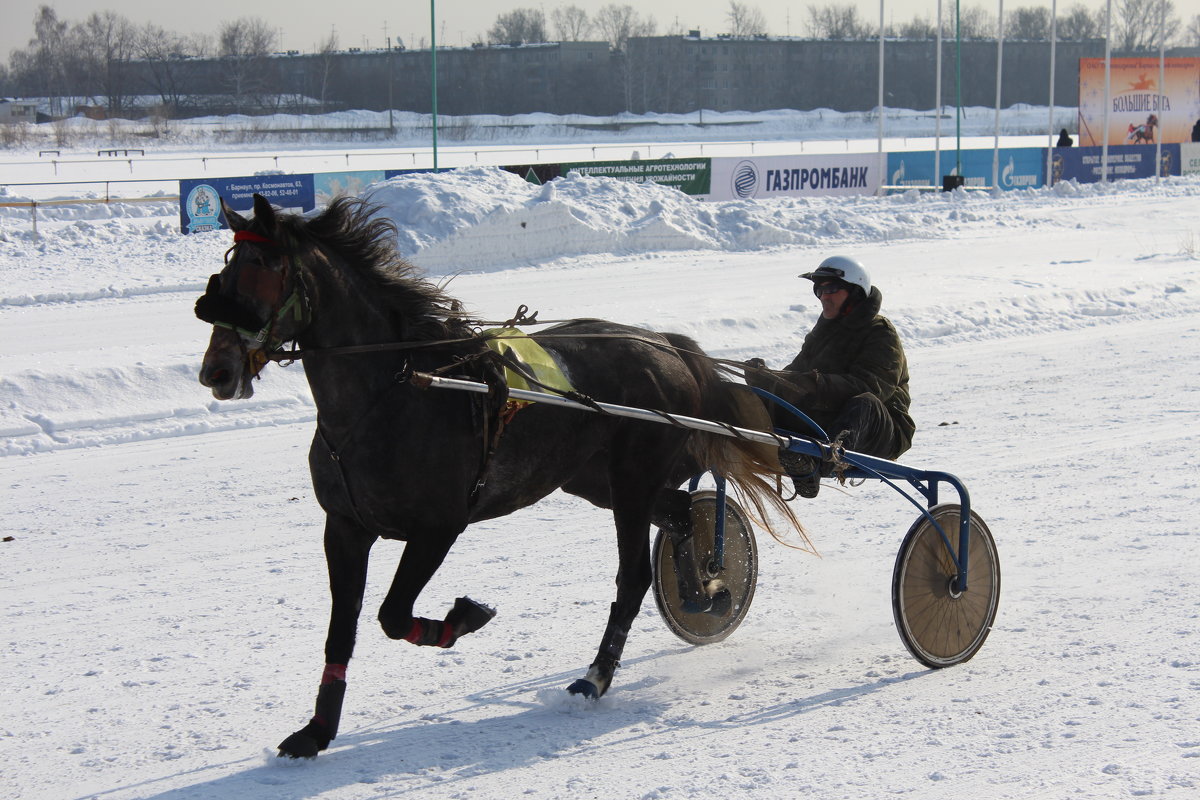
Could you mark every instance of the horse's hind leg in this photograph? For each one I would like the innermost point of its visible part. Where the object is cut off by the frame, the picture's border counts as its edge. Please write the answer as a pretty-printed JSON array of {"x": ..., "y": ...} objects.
[
  {"x": 633, "y": 579},
  {"x": 635, "y": 488},
  {"x": 673, "y": 513},
  {"x": 347, "y": 548}
]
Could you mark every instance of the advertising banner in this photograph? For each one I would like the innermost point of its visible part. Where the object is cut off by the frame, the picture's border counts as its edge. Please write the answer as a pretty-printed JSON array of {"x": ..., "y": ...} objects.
[
  {"x": 688, "y": 175},
  {"x": 1020, "y": 168},
  {"x": 794, "y": 176},
  {"x": 1189, "y": 158},
  {"x": 200, "y": 206},
  {"x": 1084, "y": 164},
  {"x": 1140, "y": 112},
  {"x": 536, "y": 174},
  {"x": 329, "y": 185}
]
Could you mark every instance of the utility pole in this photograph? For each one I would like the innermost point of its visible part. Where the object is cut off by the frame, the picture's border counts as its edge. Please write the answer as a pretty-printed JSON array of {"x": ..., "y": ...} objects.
[{"x": 433, "y": 56}]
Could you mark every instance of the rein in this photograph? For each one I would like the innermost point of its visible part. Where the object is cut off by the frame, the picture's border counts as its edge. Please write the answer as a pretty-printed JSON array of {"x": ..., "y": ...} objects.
[
  {"x": 218, "y": 310},
  {"x": 286, "y": 357}
]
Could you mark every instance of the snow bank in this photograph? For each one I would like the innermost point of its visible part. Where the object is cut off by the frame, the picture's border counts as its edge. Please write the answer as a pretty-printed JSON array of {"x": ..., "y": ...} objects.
[{"x": 485, "y": 221}]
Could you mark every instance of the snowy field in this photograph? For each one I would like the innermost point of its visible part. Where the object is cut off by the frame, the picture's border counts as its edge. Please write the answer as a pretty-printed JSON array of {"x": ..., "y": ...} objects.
[{"x": 164, "y": 600}]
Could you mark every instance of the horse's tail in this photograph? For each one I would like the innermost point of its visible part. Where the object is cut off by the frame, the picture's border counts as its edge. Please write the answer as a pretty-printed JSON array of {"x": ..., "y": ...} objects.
[{"x": 752, "y": 468}]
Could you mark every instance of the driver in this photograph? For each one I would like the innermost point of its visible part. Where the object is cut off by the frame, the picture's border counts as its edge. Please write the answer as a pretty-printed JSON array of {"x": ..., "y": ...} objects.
[{"x": 851, "y": 375}]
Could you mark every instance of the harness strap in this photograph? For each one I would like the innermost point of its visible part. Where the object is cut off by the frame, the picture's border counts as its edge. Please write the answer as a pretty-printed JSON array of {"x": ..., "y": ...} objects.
[{"x": 257, "y": 238}]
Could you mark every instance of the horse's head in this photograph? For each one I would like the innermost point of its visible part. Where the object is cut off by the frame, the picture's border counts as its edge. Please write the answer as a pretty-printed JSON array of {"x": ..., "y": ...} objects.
[{"x": 255, "y": 304}]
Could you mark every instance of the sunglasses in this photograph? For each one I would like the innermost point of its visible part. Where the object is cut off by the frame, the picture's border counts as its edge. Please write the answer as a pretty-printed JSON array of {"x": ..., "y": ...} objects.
[{"x": 822, "y": 289}]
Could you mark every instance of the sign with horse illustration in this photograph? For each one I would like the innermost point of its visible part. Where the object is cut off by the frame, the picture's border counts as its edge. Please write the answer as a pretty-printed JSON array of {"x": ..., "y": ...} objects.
[{"x": 1141, "y": 111}]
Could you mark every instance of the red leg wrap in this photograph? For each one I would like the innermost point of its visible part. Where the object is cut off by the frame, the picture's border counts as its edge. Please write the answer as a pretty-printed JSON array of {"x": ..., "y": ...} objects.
[{"x": 430, "y": 633}]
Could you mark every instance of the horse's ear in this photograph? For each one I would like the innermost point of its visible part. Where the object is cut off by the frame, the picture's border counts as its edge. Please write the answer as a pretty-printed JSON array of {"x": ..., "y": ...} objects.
[
  {"x": 263, "y": 212},
  {"x": 236, "y": 221}
]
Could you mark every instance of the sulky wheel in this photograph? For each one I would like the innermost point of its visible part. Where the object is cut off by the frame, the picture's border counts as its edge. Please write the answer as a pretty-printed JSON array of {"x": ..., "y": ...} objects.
[
  {"x": 939, "y": 625},
  {"x": 738, "y": 573}
]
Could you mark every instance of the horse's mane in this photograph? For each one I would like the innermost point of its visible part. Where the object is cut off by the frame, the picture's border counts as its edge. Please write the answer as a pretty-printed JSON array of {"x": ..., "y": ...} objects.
[{"x": 363, "y": 242}]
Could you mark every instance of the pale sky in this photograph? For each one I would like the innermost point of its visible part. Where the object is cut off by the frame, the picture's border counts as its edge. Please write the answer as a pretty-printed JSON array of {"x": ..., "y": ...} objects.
[{"x": 365, "y": 23}]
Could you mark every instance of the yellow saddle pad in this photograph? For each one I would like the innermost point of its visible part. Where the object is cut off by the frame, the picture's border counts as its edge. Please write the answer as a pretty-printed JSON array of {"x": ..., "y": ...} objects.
[{"x": 532, "y": 357}]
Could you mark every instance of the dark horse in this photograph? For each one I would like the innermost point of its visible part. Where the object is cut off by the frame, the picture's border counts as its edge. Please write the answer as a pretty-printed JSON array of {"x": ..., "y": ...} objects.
[{"x": 392, "y": 460}]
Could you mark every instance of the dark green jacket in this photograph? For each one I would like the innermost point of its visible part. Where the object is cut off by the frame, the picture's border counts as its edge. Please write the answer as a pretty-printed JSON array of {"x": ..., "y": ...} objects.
[{"x": 847, "y": 356}]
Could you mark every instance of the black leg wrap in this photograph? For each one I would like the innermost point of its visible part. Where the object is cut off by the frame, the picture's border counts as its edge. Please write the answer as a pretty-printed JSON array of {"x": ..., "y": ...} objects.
[
  {"x": 429, "y": 633},
  {"x": 600, "y": 674},
  {"x": 322, "y": 728},
  {"x": 613, "y": 642},
  {"x": 329, "y": 706}
]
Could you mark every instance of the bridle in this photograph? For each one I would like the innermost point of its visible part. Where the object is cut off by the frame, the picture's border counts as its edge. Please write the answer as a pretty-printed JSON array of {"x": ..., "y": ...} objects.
[{"x": 257, "y": 335}]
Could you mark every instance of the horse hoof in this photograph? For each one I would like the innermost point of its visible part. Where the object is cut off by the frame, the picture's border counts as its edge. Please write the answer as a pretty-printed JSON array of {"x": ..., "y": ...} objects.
[
  {"x": 468, "y": 616},
  {"x": 299, "y": 745},
  {"x": 586, "y": 688},
  {"x": 693, "y": 606},
  {"x": 722, "y": 604}
]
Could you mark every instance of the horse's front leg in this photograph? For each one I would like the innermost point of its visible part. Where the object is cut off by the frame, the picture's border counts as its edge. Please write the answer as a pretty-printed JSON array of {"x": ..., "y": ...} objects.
[
  {"x": 347, "y": 548},
  {"x": 423, "y": 555}
]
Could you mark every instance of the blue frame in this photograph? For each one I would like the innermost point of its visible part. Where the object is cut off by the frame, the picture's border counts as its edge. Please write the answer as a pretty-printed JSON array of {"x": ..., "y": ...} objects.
[{"x": 926, "y": 482}]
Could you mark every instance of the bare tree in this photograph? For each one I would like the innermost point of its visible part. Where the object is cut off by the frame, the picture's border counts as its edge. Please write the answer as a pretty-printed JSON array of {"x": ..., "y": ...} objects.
[
  {"x": 1080, "y": 24},
  {"x": 326, "y": 60},
  {"x": 1192, "y": 35},
  {"x": 917, "y": 28},
  {"x": 1137, "y": 23},
  {"x": 1030, "y": 24},
  {"x": 169, "y": 67},
  {"x": 519, "y": 26},
  {"x": 618, "y": 24},
  {"x": 106, "y": 43},
  {"x": 745, "y": 20},
  {"x": 571, "y": 24},
  {"x": 41, "y": 68},
  {"x": 978, "y": 23},
  {"x": 243, "y": 46},
  {"x": 836, "y": 22}
]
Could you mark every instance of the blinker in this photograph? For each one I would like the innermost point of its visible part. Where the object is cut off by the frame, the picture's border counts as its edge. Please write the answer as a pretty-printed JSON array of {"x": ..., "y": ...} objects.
[
  {"x": 216, "y": 309},
  {"x": 261, "y": 283}
]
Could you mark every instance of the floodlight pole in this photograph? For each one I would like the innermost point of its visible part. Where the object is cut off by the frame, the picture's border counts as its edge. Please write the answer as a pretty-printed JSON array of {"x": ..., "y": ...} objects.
[
  {"x": 433, "y": 55},
  {"x": 1107, "y": 89},
  {"x": 1158, "y": 106},
  {"x": 883, "y": 176},
  {"x": 958, "y": 87},
  {"x": 937, "y": 119},
  {"x": 391, "y": 121},
  {"x": 1050, "y": 125},
  {"x": 999, "y": 76}
]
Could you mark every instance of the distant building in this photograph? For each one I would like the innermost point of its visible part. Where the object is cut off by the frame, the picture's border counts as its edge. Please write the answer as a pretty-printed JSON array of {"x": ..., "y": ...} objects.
[{"x": 17, "y": 110}]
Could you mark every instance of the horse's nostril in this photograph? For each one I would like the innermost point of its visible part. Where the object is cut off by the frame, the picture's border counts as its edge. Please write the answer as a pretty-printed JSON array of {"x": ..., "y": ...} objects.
[{"x": 213, "y": 376}]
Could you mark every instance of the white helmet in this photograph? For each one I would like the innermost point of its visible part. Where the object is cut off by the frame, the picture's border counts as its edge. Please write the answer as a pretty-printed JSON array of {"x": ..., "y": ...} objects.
[{"x": 843, "y": 268}]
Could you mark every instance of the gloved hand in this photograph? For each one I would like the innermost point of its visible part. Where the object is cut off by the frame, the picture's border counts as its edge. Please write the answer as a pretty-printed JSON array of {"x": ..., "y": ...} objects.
[{"x": 803, "y": 385}]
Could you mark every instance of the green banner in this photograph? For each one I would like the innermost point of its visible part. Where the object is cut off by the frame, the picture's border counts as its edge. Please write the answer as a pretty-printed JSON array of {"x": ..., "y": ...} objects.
[{"x": 688, "y": 175}]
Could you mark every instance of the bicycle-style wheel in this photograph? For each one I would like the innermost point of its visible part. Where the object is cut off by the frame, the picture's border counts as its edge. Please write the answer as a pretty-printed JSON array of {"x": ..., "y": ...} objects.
[
  {"x": 940, "y": 625},
  {"x": 738, "y": 571}
]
